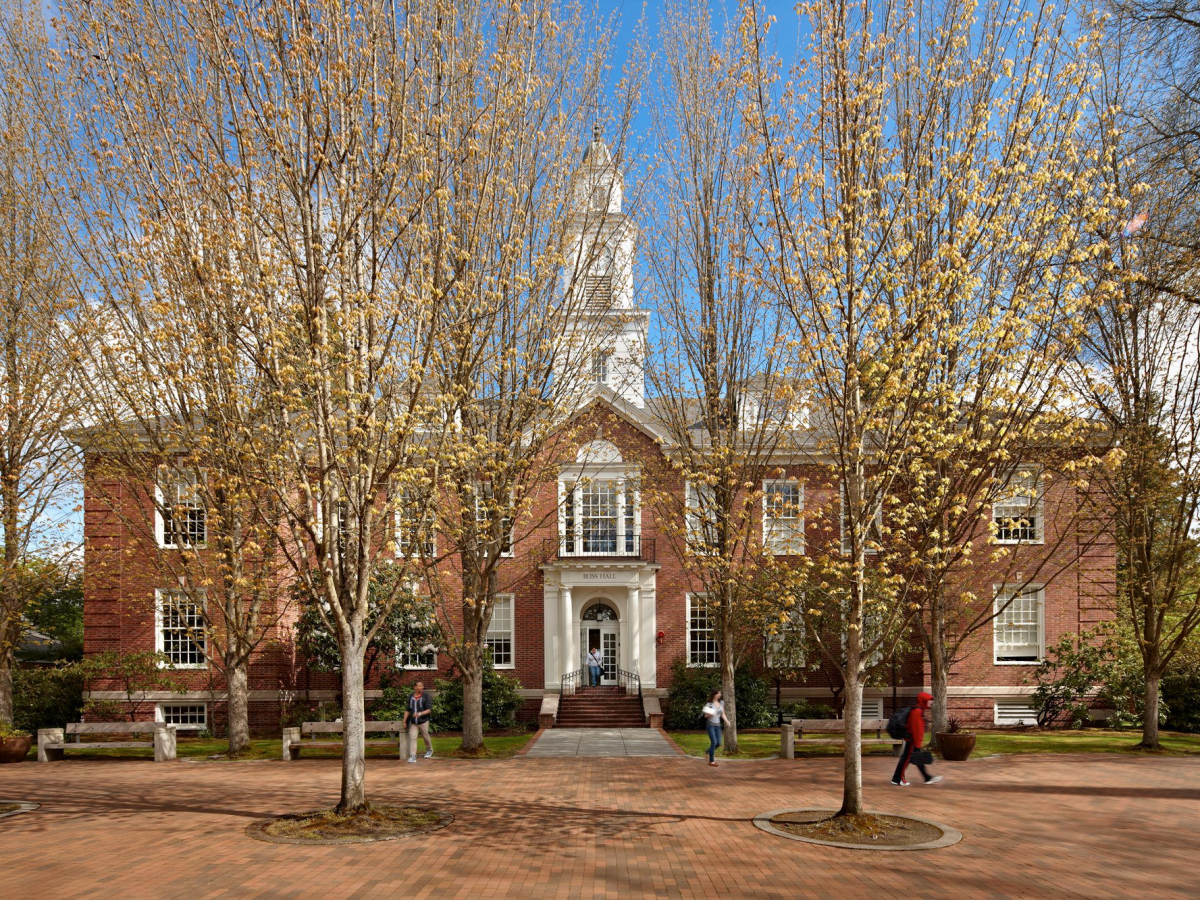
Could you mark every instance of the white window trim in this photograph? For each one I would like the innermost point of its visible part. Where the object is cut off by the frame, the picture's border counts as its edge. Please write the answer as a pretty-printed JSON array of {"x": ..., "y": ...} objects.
[
  {"x": 512, "y": 525},
  {"x": 160, "y": 525},
  {"x": 842, "y": 524},
  {"x": 688, "y": 636},
  {"x": 414, "y": 550},
  {"x": 695, "y": 540},
  {"x": 570, "y": 491},
  {"x": 160, "y": 716},
  {"x": 876, "y": 704},
  {"x": 1015, "y": 705},
  {"x": 159, "y": 646},
  {"x": 997, "y": 590},
  {"x": 799, "y": 536},
  {"x": 512, "y": 629},
  {"x": 796, "y": 625},
  {"x": 1039, "y": 486}
]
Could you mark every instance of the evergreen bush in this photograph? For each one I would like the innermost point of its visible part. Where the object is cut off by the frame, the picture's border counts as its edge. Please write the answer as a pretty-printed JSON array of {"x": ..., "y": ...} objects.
[{"x": 691, "y": 687}]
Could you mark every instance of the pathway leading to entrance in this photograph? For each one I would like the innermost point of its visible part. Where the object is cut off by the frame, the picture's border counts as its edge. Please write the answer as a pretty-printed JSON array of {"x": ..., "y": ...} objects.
[{"x": 560, "y": 742}]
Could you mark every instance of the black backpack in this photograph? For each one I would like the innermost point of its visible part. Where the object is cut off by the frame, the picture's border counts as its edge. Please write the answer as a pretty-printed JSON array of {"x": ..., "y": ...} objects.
[{"x": 897, "y": 726}]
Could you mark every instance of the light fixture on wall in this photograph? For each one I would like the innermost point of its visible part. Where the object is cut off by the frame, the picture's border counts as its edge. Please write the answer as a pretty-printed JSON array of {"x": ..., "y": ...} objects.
[{"x": 661, "y": 635}]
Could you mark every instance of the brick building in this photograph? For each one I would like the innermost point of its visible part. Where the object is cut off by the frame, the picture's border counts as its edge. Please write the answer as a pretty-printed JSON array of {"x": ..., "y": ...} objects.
[{"x": 599, "y": 567}]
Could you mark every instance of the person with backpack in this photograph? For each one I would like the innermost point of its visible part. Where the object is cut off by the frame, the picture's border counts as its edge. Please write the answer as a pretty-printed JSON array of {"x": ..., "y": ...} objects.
[
  {"x": 908, "y": 725},
  {"x": 714, "y": 721}
]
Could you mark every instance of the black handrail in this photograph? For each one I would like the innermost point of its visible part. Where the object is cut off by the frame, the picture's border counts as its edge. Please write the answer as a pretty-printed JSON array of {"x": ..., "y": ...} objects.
[
  {"x": 629, "y": 682},
  {"x": 631, "y": 547},
  {"x": 570, "y": 681}
]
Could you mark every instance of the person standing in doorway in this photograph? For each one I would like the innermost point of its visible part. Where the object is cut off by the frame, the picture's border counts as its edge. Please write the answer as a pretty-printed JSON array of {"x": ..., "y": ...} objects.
[
  {"x": 714, "y": 722},
  {"x": 912, "y": 751},
  {"x": 416, "y": 718},
  {"x": 595, "y": 664}
]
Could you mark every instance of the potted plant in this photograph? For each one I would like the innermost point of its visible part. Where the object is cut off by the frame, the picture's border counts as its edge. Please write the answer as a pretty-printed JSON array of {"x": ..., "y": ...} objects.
[
  {"x": 14, "y": 744},
  {"x": 954, "y": 743}
]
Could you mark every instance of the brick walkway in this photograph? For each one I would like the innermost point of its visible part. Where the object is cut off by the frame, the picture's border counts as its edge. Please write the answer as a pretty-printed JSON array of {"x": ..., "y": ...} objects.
[
  {"x": 600, "y": 742},
  {"x": 1083, "y": 826}
]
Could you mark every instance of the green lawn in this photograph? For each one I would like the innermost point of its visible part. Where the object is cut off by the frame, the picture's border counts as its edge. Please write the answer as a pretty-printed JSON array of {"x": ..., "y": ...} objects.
[
  {"x": 756, "y": 745},
  {"x": 500, "y": 746}
]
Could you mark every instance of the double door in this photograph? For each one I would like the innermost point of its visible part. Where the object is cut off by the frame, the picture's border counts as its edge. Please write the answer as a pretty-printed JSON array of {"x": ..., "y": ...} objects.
[{"x": 606, "y": 636}]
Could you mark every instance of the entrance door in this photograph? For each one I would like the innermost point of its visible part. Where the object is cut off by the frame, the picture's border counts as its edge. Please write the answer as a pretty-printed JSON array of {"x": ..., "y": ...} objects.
[{"x": 604, "y": 635}]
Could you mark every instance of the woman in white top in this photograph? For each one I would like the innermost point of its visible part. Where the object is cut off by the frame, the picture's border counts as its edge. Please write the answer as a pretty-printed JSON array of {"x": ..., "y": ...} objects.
[{"x": 714, "y": 720}]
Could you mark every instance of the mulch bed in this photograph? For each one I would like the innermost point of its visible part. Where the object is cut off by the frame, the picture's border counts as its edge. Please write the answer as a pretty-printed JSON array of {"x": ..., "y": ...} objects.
[
  {"x": 380, "y": 822},
  {"x": 868, "y": 830}
]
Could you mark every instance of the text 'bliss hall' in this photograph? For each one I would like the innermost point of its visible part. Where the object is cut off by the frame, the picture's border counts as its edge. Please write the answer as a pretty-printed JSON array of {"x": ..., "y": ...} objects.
[{"x": 595, "y": 566}]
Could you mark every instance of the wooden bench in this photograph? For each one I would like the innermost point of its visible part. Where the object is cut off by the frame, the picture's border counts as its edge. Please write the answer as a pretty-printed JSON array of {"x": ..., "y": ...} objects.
[
  {"x": 318, "y": 736},
  {"x": 793, "y": 733},
  {"x": 51, "y": 743}
]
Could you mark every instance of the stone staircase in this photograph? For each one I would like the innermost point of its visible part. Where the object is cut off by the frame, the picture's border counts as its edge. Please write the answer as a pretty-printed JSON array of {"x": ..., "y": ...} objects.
[{"x": 600, "y": 707}]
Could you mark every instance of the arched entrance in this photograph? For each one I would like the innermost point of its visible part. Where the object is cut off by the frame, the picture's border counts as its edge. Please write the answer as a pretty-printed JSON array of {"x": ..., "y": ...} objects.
[{"x": 600, "y": 628}]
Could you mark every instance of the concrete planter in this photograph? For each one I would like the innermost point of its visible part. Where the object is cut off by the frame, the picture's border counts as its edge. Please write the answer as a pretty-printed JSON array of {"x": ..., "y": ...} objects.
[
  {"x": 13, "y": 749},
  {"x": 955, "y": 747}
]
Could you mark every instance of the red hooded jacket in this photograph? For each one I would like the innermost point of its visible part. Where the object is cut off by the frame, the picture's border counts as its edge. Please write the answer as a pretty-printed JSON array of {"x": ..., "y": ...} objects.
[{"x": 916, "y": 718}]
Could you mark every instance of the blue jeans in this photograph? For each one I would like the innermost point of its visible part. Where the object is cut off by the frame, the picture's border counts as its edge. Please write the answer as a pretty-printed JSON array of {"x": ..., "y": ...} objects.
[
  {"x": 594, "y": 672},
  {"x": 714, "y": 740}
]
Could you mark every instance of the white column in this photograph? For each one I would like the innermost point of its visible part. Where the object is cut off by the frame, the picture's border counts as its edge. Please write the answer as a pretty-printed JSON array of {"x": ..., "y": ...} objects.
[
  {"x": 565, "y": 660},
  {"x": 635, "y": 627}
]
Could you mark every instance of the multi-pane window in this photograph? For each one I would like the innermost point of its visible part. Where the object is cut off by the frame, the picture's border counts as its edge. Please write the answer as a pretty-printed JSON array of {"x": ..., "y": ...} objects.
[
  {"x": 180, "y": 516},
  {"x": 1018, "y": 515},
  {"x": 600, "y": 518},
  {"x": 703, "y": 647},
  {"x": 184, "y": 716},
  {"x": 600, "y": 364},
  {"x": 485, "y": 508},
  {"x": 418, "y": 647},
  {"x": 783, "y": 517},
  {"x": 500, "y": 632},
  {"x": 701, "y": 518},
  {"x": 1019, "y": 626},
  {"x": 414, "y": 527},
  {"x": 874, "y": 537},
  {"x": 181, "y": 631},
  {"x": 785, "y": 643}
]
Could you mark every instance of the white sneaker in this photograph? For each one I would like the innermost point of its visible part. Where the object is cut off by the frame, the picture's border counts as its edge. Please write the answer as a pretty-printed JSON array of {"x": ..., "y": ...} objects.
[
  {"x": 900, "y": 783},
  {"x": 412, "y": 759},
  {"x": 934, "y": 780},
  {"x": 428, "y": 754}
]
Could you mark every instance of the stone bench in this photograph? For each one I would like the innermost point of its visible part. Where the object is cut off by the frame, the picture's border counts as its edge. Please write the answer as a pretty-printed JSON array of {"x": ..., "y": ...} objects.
[
  {"x": 792, "y": 734},
  {"x": 51, "y": 742},
  {"x": 320, "y": 735}
]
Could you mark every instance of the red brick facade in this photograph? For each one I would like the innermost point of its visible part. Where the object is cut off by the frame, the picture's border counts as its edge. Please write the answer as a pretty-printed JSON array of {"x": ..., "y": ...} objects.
[{"x": 124, "y": 566}]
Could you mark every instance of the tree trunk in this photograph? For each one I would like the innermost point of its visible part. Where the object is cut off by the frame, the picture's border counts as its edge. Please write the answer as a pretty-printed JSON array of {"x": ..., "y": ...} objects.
[
  {"x": 6, "y": 686},
  {"x": 1150, "y": 714},
  {"x": 852, "y": 802},
  {"x": 939, "y": 716},
  {"x": 472, "y": 737},
  {"x": 354, "y": 764},
  {"x": 238, "y": 683},
  {"x": 728, "y": 690}
]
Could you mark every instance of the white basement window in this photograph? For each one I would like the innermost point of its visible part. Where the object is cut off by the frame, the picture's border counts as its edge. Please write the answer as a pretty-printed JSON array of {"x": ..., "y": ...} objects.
[
  {"x": 184, "y": 716},
  {"x": 873, "y": 708},
  {"x": 1015, "y": 712}
]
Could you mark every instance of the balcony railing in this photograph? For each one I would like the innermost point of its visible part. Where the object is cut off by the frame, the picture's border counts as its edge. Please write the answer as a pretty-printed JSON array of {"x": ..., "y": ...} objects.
[{"x": 630, "y": 546}]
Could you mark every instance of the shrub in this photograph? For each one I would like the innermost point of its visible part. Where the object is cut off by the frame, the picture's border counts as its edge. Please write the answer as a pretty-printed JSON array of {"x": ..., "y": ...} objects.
[
  {"x": 501, "y": 700},
  {"x": 12, "y": 731},
  {"x": 690, "y": 689},
  {"x": 1067, "y": 676},
  {"x": 47, "y": 697},
  {"x": 1181, "y": 695},
  {"x": 806, "y": 709}
]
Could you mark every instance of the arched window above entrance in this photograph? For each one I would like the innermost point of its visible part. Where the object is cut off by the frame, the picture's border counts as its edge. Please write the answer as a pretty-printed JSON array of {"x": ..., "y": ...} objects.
[{"x": 600, "y": 612}]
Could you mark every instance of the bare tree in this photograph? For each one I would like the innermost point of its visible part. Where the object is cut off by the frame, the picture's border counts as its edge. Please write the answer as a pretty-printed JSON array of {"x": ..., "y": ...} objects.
[
  {"x": 285, "y": 147},
  {"x": 720, "y": 370},
  {"x": 510, "y": 256},
  {"x": 37, "y": 465},
  {"x": 1140, "y": 367}
]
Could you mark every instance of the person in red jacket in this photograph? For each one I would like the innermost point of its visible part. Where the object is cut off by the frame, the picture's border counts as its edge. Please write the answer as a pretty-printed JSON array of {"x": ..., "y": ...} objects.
[{"x": 916, "y": 736}]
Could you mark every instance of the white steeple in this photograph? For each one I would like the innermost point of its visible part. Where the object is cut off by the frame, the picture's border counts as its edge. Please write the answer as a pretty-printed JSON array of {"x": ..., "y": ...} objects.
[{"x": 598, "y": 280}]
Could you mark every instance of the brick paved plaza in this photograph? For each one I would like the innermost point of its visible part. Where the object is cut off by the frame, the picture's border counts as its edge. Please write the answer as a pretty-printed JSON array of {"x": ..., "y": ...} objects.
[{"x": 1034, "y": 826}]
